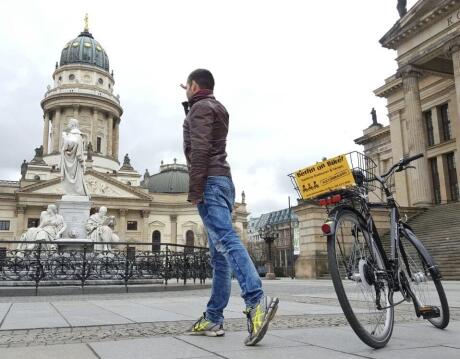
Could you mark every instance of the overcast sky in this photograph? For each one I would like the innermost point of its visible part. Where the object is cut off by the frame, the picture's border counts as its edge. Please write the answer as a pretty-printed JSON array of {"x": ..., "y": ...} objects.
[{"x": 297, "y": 78}]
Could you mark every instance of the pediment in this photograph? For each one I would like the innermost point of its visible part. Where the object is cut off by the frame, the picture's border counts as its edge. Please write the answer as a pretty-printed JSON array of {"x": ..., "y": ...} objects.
[
  {"x": 421, "y": 16},
  {"x": 157, "y": 224},
  {"x": 99, "y": 185}
]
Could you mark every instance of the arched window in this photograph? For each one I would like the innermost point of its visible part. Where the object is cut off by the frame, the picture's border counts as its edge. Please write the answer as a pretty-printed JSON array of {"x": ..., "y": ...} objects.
[
  {"x": 156, "y": 241},
  {"x": 189, "y": 240}
]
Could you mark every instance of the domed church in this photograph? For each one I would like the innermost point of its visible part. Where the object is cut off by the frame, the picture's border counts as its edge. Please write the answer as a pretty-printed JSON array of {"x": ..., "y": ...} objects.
[{"x": 149, "y": 208}]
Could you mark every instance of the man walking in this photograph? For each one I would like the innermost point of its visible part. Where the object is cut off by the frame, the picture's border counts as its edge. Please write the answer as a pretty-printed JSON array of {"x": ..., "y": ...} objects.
[{"x": 212, "y": 190}]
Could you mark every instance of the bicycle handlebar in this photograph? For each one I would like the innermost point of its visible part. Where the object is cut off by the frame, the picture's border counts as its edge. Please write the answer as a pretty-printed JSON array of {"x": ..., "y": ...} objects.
[
  {"x": 406, "y": 161},
  {"x": 398, "y": 166}
]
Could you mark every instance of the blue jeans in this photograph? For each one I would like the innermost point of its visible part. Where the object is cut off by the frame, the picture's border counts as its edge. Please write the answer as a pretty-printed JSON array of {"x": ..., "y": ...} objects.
[{"x": 227, "y": 251}]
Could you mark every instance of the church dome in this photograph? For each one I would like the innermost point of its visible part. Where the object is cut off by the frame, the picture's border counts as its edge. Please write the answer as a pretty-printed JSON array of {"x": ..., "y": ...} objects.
[
  {"x": 173, "y": 178},
  {"x": 84, "y": 50}
]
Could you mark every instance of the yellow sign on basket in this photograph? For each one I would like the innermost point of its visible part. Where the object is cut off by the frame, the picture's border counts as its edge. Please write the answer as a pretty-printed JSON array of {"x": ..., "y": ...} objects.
[{"x": 323, "y": 177}]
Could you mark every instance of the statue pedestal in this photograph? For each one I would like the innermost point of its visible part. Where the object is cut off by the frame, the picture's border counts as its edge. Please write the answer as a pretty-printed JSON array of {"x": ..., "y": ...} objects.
[
  {"x": 75, "y": 210},
  {"x": 65, "y": 244}
]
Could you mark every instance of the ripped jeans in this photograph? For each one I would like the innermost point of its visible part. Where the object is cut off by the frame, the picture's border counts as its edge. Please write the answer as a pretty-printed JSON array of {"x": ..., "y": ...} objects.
[{"x": 227, "y": 251}]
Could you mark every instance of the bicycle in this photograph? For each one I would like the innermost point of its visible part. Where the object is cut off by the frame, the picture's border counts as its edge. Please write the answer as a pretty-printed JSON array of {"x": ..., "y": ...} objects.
[{"x": 365, "y": 279}]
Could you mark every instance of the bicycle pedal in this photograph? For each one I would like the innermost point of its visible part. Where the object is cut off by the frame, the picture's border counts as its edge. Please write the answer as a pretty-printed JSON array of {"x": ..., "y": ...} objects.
[{"x": 429, "y": 312}]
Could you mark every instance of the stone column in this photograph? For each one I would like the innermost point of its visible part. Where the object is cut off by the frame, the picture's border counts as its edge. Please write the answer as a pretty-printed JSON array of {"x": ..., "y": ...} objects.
[
  {"x": 94, "y": 129},
  {"x": 145, "y": 228},
  {"x": 20, "y": 225},
  {"x": 173, "y": 218},
  {"x": 443, "y": 181},
  {"x": 454, "y": 49},
  {"x": 56, "y": 129},
  {"x": 397, "y": 148},
  {"x": 46, "y": 132},
  {"x": 435, "y": 121},
  {"x": 419, "y": 184},
  {"x": 76, "y": 112},
  {"x": 116, "y": 138},
  {"x": 122, "y": 225},
  {"x": 110, "y": 135}
]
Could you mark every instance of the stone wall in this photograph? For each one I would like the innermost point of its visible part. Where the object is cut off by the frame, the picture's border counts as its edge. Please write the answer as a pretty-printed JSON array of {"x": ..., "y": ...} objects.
[{"x": 312, "y": 260}]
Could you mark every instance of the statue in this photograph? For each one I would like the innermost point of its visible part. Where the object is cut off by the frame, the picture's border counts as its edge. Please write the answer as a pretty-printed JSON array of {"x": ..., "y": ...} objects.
[
  {"x": 24, "y": 166},
  {"x": 243, "y": 197},
  {"x": 374, "y": 116},
  {"x": 72, "y": 161},
  {"x": 402, "y": 7},
  {"x": 99, "y": 228},
  {"x": 127, "y": 164},
  {"x": 51, "y": 227},
  {"x": 126, "y": 161},
  {"x": 89, "y": 152}
]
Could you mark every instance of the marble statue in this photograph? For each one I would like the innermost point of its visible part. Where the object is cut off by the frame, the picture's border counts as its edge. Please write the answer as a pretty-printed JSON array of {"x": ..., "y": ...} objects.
[
  {"x": 73, "y": 161},
  {"x": 99, "y": 228},
  {"x": 374, "y": 116},
  {"x": 24, "y": 167},
  {"x": 402, "y": 7},
  {"x": 89, "y": 152},
  {"x": 51, "y": 227}
]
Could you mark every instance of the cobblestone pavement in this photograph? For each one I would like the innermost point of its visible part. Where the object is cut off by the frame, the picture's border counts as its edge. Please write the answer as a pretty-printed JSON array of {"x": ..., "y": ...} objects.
[{"x": 291, "y": 293}]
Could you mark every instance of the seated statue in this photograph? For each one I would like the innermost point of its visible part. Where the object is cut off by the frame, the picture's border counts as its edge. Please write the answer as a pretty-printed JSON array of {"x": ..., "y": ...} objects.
[
  {"x": 51, "y": 227},
  {"x": 99, "y": 228}
]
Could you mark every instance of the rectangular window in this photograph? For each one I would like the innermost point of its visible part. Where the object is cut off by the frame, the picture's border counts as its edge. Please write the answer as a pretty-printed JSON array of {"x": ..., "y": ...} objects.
[
  {"x": 99, "y": 145},
  {"x": 33, "y": 222},
  {"x": 4, "y": 225},
  {"x": 445, "y": 122},
  {"x": 429, "y": 127},
  {"x": 435, "y": 180},
  {"x": 131, "y": 225},
  {"x": 452, "y": 176}
]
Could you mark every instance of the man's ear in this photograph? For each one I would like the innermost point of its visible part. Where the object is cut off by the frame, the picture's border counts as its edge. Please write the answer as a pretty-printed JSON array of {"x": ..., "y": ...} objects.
[{"x": 194, "y": 86}]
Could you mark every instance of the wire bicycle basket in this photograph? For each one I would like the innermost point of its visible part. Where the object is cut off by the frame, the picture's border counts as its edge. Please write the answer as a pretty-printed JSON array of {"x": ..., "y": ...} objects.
[{"x": 353, "y": 169}]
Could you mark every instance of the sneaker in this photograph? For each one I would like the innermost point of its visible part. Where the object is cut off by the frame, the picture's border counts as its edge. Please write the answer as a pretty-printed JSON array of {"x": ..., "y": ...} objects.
[
  {"x": 205, "y": 327},
  {"x": 258, "y": 319}
]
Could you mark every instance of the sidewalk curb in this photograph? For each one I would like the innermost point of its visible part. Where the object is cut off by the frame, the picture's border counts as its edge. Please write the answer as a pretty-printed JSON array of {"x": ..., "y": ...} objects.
[{"x": 105, "y": 289}]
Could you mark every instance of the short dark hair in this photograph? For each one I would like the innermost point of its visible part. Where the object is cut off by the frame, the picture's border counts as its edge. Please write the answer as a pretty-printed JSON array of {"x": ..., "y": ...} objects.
[{"x": 203, "y": 78}]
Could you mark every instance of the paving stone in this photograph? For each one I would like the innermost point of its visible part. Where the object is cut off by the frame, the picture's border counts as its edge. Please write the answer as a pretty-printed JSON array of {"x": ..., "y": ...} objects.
[
  {"x": 33, "y": 315},
  {"x": 86, "y": 313},
  {"x": 235, "y": 341},
  {"x": 70, "y": 351},
  {"x": 416, "y": 353},
  {"x": 304, "y": 351},
  {"x": 3, "y": 310},
  {"x": 164, "y": 348},
  {"x": 138, "y": 312}
]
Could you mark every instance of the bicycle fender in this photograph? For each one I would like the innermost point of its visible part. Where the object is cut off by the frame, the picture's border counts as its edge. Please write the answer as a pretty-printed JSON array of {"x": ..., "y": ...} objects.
[
  {"x": 410, "y": 236},
  {"x": 332, "y": 218}
]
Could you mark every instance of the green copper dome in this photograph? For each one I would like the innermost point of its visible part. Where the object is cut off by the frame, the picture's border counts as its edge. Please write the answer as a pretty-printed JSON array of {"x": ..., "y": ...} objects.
[{"x": 84, "y": 50}]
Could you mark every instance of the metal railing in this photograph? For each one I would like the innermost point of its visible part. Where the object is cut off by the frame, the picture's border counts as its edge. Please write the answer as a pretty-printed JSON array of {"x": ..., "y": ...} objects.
[{"x": 126, "y": 263}]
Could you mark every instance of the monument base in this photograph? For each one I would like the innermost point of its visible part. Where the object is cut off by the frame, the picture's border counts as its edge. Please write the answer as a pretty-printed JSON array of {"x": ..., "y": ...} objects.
[
  {"x": 75, "y": 210},
  {"x": 65, "y": 244}
]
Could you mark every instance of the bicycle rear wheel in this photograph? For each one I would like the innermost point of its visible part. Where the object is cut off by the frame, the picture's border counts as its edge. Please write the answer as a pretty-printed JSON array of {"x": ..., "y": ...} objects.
[
  {"x": 424, "y": 282},
  {"x": 358, "y": 273}
]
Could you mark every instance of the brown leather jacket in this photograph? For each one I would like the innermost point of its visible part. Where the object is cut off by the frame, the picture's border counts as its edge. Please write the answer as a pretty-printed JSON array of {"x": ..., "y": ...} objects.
[{"x": 205, "y": 139}]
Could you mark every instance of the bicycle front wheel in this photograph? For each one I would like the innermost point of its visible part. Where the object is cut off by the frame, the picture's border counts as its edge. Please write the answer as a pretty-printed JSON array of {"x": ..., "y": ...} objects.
[
  {"x": 424, "y": 281},
  {"x": 358, "y": 272}
]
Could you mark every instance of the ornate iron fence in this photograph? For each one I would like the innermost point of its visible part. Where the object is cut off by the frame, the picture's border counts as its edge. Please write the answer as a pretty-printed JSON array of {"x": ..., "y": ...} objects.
[{"x": 125, "y": 263}]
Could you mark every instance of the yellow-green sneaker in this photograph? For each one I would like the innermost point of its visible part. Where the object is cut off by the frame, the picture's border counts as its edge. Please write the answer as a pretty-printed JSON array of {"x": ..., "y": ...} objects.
[
  {"x": 204, "y": 326},
  {"x": 258, "y": 319}
]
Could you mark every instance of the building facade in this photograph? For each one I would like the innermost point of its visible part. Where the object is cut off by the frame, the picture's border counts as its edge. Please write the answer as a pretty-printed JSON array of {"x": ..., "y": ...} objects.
[
  {"x": 286, "y": 229},
  {"x": 152, "y": 209},
  {"x": 423, "y": 101}
]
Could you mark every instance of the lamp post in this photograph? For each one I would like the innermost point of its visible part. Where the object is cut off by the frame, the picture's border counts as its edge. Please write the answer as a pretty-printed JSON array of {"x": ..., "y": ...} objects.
[{"x": 268, "y": 234}]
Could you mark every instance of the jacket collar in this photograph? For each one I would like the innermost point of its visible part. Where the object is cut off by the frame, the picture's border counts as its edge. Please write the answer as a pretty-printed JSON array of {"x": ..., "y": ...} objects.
[{"x": 200, "y": 95}]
